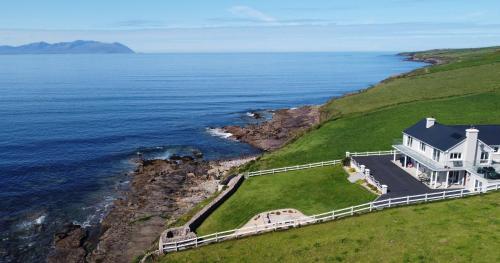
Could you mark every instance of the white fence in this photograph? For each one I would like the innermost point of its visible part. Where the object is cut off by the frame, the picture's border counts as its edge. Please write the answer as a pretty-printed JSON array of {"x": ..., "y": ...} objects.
[
  {"x": 359, "y": 154},
  {"x": 314, "y": 165},
  {"x": 293, "y": 168},
  {"x": 369, "y": 177},
  {"x": 328, "y": 216}
]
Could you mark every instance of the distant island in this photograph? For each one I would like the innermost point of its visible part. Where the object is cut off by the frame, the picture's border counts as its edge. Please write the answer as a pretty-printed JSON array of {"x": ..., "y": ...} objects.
[{"x": 75, "y": 47}]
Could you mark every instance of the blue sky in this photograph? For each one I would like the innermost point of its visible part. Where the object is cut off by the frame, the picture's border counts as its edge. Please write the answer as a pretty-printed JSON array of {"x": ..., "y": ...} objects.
[{"x": 259, "y": 25}]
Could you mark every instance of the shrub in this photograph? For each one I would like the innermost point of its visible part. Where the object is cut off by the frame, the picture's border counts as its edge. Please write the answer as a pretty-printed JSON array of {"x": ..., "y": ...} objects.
[{"x": 346, "y": 161}]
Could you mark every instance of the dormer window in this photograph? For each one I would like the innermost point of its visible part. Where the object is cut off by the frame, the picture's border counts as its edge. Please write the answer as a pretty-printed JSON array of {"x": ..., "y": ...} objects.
[{"x": 422, "y": 146}]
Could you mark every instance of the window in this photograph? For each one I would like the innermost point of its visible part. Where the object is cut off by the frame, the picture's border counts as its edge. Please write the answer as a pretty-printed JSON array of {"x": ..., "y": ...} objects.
[
  {"x": 455, "y": 156},
  {"x": 484, "y": 157},
  {"x": 436, "y": 155},
  {"x": 409, "y": 141},
  {"x": 496, "y": 149},
  {"x": 422, "y": 146}
]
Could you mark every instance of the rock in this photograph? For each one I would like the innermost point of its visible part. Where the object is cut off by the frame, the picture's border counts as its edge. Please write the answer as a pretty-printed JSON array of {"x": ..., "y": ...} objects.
[
  {"x": 284, "y": 126},
  {"x": 162, "y": 190},
  {"x": 69, "y": 245},
  {"x": 197, "y": 154},
  {"x": 175, "y": 157}
]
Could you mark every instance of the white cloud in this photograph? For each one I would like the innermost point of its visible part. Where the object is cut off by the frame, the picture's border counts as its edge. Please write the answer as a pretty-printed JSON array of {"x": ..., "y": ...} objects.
[{"x": 251, "y": 13}]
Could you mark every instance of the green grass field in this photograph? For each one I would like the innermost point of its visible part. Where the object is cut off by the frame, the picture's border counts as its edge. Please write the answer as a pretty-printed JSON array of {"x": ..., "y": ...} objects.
[
  {"x": 464, "y": 230},
  {"x": 311, "y": 191}
]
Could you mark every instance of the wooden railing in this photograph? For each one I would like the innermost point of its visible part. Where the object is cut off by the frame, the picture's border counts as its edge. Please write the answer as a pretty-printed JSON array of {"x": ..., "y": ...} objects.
[{"x": 328, "y": 216}]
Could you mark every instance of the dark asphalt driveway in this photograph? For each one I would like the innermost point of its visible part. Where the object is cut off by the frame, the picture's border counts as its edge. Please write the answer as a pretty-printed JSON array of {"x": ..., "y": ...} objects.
[{"x": 398, "y": 181}]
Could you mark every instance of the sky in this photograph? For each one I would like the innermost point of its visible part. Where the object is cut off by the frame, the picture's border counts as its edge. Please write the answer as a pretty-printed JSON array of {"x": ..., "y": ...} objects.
[{"x": 151, "y": 26}]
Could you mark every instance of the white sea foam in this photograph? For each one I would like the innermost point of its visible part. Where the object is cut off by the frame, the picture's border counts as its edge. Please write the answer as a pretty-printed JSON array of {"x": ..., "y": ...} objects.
[
  {"x": 250, "y": 114},
  {"x": 40, "y": 220},
  {"x": 218, "y": 132},
  {"x": 28, "y": 224}
]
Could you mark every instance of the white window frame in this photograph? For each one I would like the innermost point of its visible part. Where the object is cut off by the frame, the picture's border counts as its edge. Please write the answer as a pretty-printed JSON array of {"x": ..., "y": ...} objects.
[
  {"x": 436, "y": 155},
  {"x": 482, "y": 160},
  {"x": 423, "y": 146},
  {"x": 455, "y": 156},
  {"x": 409, "y": 141}
]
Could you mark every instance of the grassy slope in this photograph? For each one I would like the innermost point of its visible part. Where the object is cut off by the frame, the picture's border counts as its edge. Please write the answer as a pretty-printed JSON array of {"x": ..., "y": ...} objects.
[
  {"x": 310, "y": 191},
  {"x": 451, "y": 231},
  {"x": 377, "y": 130}
]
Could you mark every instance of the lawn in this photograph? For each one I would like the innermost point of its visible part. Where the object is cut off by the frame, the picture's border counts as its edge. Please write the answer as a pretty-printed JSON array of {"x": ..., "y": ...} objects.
[
  {"x": 310, "y": 191},
  {"x": 463, "y": 230}
]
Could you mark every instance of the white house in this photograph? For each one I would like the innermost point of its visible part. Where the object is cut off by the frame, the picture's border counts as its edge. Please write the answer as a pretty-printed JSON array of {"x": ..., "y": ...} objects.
[{"x": 445, "y": 156}]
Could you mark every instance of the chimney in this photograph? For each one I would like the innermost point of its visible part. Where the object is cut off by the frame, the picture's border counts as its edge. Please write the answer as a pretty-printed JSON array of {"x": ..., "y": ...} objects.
[
  {"x": 430, "y": 122},
  {"x": 470, "y": 146}
]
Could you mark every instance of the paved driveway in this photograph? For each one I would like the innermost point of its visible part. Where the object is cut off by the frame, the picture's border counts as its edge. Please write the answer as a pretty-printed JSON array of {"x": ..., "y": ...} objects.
[{"x": 399, "y": 182}]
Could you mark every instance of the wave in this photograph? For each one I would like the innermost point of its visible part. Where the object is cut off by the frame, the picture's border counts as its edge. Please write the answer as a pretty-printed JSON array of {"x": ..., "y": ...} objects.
[
  {"x": 31, "y": 223},
  {"x": 218, "y": 132}
]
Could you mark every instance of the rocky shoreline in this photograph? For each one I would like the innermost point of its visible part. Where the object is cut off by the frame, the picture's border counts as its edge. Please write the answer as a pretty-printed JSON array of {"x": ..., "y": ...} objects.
[
  {"x": 285, "y": 125},
  {"x": 160, "y": 192}
]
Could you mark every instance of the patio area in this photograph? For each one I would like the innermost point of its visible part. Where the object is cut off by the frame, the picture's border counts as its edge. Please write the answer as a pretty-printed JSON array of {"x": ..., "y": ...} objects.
[
  {"x": 399, "y": 181},
  {"x": 424, "y": 175}
]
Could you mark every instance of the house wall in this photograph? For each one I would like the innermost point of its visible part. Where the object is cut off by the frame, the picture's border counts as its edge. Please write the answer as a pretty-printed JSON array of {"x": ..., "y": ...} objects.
[
  {"x": 482, "y": 147},
  {"x": 471, "y": 181},
  {"x": 429, "y": 150},
  {"x": 459, "y": 148}
]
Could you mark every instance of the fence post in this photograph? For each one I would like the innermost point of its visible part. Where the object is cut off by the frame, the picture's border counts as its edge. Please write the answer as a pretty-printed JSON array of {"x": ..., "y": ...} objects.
[
  {"x": 425, "y": 200},
  {"x": 408, "y": 200},
  {"x": 176, "y": 248},
  {"x": 352, "y": 210},
  {"x": 333, "y": 215},
  {"x": 462, "y": 193},
  {"x": 390, "y": 199},
  {"x": 371, "y": 206},
  {"x": 444, "y": 194},
  {"x": 216, "y": 237},
  {"x": 196, "y": 242}
]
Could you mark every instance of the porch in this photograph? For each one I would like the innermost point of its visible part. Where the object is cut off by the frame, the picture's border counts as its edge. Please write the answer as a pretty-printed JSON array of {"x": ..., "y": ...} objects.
[{"x": 433, "y": 174}]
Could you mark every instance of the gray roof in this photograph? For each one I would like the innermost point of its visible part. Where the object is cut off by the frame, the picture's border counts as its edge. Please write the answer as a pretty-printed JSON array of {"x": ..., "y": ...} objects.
[{"x": 443, "y": 137}]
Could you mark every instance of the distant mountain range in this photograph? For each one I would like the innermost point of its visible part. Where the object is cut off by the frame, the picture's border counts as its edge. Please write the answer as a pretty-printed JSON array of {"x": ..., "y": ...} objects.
[{"x": 75, "y": 47}]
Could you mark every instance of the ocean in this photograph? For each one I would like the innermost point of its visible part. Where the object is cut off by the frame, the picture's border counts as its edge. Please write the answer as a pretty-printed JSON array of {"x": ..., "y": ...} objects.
[{"x": 70, "y": 124}]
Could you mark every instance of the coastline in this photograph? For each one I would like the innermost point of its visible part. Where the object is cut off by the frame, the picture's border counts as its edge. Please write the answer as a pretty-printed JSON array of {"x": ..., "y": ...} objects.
[{"x": 147, "y": 209}]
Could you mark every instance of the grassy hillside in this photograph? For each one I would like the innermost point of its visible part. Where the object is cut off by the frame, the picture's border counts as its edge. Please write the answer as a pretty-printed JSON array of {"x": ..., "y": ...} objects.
[
  {"x": 464, "y": 230},
  {"x": 377, "y": 130},
  {"x": 311, "y": 191}
]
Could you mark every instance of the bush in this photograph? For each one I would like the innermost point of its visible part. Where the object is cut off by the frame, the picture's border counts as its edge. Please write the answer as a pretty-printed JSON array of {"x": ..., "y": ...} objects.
[{"x": 346, "y": 161}]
